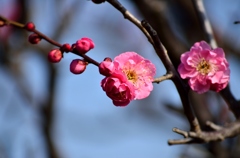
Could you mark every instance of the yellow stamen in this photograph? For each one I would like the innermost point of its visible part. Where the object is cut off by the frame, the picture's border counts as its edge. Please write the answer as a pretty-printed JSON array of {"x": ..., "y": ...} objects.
[
  {"x": 131, "y": 75},
  {"x": 204, "y": 67}
]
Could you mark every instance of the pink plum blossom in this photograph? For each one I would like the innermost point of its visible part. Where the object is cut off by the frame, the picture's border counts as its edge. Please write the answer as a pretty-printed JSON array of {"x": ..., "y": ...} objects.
[
  {"x": 129, "y": 69},
  {"x": 206, "y": 68},
  {"x": 118, "y": 89}
]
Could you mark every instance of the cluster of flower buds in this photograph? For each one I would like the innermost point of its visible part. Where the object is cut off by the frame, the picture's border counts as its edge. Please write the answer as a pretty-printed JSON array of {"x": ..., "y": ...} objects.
[
  {"x": 34, "y": 38},
  {"x": 82, "y": 46}
]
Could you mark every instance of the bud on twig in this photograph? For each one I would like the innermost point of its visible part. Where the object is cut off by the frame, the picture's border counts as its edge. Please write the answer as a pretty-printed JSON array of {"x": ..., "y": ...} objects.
[
  {"x": 30, "y": 26},
  {"x": 55, "y": 56},
  {"x": 98, "y": 1},
  {"x": 78, "y": 66},
  {"x": 34, "y": 38}
]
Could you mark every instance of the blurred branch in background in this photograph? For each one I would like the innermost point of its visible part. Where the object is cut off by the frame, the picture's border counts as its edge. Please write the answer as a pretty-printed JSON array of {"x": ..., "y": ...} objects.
[{"x": 45, "y": 107}]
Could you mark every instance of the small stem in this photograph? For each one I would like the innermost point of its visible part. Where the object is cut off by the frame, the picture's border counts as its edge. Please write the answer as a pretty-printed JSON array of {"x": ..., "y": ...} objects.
[
  {"x": 87, "y": 58},
  {"x": 162, "y": 78},
  {"x": 10, "y": 22},
  {"x": 213, "y": 126},
  {"x": 53, "y": 42},
  {"x": 180, "y": 141}
]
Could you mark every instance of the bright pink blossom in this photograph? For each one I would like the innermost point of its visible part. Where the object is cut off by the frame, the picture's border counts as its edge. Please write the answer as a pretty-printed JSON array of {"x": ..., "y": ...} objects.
[
  {"x": 128, "y": 68},
  {"x": 84, "y": 45},
  {"x": 78, "y": 66},
  {"x": 206, "y": 68},
  {"x": 118, "y": 89}
]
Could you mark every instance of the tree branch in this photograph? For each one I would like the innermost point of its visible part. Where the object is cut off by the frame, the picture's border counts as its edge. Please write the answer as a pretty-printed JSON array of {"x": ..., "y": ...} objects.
[{"x": 219, "y": 134}]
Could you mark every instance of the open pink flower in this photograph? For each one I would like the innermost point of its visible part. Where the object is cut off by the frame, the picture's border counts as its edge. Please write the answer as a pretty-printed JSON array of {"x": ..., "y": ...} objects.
[
  {"x": 131, "y": 69},
  {"x": 206, "y": 68}
]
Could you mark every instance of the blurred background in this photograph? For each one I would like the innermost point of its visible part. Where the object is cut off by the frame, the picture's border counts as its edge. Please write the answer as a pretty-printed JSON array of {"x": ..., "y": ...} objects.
[{"x": 47, "y": 112}]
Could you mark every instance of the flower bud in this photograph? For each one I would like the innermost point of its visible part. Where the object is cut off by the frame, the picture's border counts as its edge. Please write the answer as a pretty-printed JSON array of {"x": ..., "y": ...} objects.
[
  {"x": 84, "y": 45},
  {"x": 66, "y": 47},
  {"x": 55, "y": 56},
  {"x": 98, "y": 1},
  {"x": 34, "y": 38},
  {"x": 108, "y": 59},
  {"x": 106, "y": 67},
  {"x": 30, "y": 26},
  {"x": 2, "y": 23},
  {"x": 78, "y": 66}
]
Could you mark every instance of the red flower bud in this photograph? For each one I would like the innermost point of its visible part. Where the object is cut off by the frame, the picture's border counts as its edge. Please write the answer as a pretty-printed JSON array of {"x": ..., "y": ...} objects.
[
  {"x": 84, "y": 45},
  {"x": 78, "y": 66},
  {"x": 30, "y": 26},
  {"x": 2, "y": 23},
  {"x": 66, "y": 47},
  {"x": 34, "y": 38},
  {"x": 108, "y": 59},
  {"x": 55, "y": 56},
  {"x": 98, "y": 1}
]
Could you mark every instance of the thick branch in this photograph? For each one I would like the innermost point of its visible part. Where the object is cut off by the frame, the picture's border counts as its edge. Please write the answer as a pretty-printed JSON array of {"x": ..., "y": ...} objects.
[
  {"x": 233, "y": 104},
  {"x": 181, "y": 87},
  {"x": 220, "y": 133}
]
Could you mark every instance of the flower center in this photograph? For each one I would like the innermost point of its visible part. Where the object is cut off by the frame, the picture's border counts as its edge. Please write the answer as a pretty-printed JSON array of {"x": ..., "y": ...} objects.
[
  {"x": 204, "y": 67},
  {"x": 131, "y": 75}
]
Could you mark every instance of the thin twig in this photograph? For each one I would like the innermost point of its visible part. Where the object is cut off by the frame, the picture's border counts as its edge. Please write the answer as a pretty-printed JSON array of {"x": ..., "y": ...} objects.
[
  {"x": 10, "y": 22},
  {"x": 221, "y": 133},
  {"x": 213, "y": 126},
  {"x": 162, "y": 78}
]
